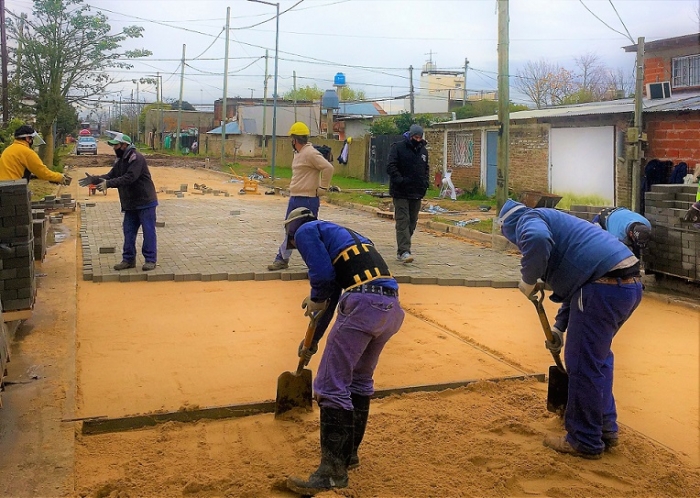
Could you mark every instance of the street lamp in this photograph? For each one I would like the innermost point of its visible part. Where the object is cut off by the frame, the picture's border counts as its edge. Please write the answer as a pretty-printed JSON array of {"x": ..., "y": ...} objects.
[{"x": 274, "y": 95}]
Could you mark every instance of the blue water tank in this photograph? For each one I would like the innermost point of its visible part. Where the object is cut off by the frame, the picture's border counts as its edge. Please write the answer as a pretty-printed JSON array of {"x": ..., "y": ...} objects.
[
  {"x": 339, "y": 79},
  {"x": 330, "y": 100}
]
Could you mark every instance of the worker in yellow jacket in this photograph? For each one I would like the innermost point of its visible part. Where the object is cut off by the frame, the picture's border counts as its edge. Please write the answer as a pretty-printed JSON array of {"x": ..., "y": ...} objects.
[{"x": 19, "y": 159}]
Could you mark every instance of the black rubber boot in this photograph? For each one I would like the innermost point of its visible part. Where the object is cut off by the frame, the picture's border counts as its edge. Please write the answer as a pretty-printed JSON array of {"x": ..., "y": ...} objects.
[
  {"x": 336, "y": 445},
  {"x": 361, "y": 405}
]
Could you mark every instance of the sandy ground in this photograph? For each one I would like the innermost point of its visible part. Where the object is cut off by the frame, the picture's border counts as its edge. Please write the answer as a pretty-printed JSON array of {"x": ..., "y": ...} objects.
[{"x": 214, "y": 343}]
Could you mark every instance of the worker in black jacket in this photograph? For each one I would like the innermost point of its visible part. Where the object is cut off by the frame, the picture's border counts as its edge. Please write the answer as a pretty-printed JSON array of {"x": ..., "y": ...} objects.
[
  {"x": 137, "y": 193},
  {"x": 408, "y": 181}
]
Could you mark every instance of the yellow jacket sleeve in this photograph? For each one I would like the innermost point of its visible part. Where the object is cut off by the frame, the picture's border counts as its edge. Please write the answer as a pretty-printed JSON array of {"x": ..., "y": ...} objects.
[{"x": 19, "y": 156}]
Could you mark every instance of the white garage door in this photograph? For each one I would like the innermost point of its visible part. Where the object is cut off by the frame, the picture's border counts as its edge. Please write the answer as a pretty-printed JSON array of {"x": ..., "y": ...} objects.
[{"x": 582, "y": 161}]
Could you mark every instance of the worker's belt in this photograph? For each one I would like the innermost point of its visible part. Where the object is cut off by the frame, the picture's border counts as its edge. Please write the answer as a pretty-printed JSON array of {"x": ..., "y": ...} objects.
[
  {"x": 630, "y": 271},
  {"x": 374, "y": 289},
  {"x": 617, "y": 281}
]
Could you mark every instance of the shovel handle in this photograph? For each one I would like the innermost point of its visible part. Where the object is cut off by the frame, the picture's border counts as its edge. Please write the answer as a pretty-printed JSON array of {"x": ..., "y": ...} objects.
[
  {"x": 308, "y": 338},
  {"x": 537, "y": 301}
]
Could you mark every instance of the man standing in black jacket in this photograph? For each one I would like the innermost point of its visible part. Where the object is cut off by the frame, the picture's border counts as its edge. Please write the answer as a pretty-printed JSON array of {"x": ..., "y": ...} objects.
[
  {"x": 408, "y": 181},
  {"x": 137, "y": 194}
]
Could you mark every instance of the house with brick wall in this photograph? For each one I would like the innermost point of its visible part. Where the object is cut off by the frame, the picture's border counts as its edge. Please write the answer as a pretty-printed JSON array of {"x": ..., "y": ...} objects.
[
  {"x": 581, "y": 149},
  {"x": 672, "y": 69},
  {"x": 577, "y": 149}
]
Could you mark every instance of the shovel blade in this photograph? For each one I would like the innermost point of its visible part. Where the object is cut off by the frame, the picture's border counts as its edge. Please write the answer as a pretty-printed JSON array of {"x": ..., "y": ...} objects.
[
  {"x": 293, "y": 391},
  {"x": 557, "y": 390}
]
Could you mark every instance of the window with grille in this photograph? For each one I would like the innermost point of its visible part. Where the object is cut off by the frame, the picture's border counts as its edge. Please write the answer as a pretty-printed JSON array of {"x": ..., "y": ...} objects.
[
  {"x": 463, "y": 152},
  {"x": 686, "y": 71}
]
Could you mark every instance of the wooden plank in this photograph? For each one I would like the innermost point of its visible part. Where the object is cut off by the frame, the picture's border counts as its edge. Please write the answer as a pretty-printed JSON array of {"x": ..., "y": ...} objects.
[{"x": 11, "y": 316}]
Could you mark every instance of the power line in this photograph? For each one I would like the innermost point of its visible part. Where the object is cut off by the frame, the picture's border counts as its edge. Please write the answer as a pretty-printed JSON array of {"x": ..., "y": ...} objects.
[
  {"x": 604, "y": 23},
  {"x": 621, "y": 21}
]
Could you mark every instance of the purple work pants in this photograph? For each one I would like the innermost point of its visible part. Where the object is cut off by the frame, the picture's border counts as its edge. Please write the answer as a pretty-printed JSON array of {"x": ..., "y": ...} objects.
[{"x": 364, "y": 324}]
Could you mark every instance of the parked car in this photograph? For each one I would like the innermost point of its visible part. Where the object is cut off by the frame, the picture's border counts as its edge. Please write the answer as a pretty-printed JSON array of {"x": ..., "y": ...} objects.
[{"x": 86, "y": 145}]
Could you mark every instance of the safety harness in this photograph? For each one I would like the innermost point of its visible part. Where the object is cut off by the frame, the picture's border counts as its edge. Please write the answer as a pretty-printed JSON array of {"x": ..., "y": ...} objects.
[
  {"x": 603, "y": 216},
  {"x": 358, "y": 264}
]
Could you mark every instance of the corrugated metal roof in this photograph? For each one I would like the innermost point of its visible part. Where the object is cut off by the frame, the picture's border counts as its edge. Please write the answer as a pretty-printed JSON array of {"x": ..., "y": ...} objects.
[
  {"x": 358, "y": 108},
  {"x": 250, "y": 126},
  {"x": 681, "y": 102},
  {"x": 232, "y": 128}
]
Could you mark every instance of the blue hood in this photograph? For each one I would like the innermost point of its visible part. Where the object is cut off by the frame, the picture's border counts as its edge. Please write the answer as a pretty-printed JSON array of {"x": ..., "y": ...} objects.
[{"x": 509, "y": 216}]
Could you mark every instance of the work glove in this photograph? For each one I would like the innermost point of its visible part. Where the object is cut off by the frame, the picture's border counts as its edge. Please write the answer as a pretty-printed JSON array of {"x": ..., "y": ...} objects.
[
  {"x": 89, "y": 180},
  {"x": 307, "y": 353},
  {"x": 530, "y": 289},
  {"x": 66, "y": 180},
  {"x": 557, "y": 341},
  {"x": 312, "y": 307},
  {"x": 693, "y": 214},
  {"x": 101, "y": 185}
]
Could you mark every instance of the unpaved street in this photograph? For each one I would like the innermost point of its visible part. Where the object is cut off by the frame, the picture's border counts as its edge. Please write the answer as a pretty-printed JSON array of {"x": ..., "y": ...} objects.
[{"x": 116, "y": 349}]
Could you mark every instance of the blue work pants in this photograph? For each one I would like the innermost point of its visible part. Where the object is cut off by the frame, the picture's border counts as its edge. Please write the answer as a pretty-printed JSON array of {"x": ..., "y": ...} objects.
[
  {"x": 596, "y": 314},
  {"x": 146, "y": 219}
]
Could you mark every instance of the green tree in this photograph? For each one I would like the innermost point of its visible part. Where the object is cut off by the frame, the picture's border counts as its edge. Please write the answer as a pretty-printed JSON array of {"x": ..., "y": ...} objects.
[
  {"x": 62, "y": 54},
  {"x": 312, "y": 93},
  {"x": 395, "y": 125},
  {"x": 383, "y": 126},
  {"x": 347, "y": 94},
  {"x": 186, "y": 106},
  {"x": 484, "y": 108},
  {"x": 144, "y": 112},
  {"x": 67, "y": 121},
  {"x": 309, "y": 93}
]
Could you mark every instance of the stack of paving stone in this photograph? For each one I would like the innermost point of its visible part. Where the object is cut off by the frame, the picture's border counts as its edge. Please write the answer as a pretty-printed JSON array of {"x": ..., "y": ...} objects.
[
  {"x": 674, "y": 245},
  {"x": 40, "y": 224},
  {"x": 585, "y": 212},
  {"x": 17, "y": 283},
  {"x": 4, "y": 352},
  {"x": 51, "y": 202}
]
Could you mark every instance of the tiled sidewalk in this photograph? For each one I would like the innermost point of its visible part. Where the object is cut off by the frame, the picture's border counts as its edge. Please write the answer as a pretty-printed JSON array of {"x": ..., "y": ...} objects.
[{"x": 230, "y": 239}]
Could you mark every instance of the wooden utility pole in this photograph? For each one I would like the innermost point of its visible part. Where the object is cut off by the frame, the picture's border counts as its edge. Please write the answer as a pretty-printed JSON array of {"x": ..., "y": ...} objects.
[
  {"x": 224, "y": 100},
  {"x": 636, "y": 149},
  {"x": 179, "y": 110},
  {"x": 295, "y": 95},
  {"x": 3, "y": 56},
  {"x": 264, "y": 130},
  {"x": 466, "y": 65},
  {"x": 410, "y": 78},
  {"x": 503, "y": 105}
]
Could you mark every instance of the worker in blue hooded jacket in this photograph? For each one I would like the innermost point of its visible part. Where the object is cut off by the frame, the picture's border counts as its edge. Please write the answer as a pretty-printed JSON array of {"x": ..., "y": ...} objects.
[{"x": 595, "y": 277}]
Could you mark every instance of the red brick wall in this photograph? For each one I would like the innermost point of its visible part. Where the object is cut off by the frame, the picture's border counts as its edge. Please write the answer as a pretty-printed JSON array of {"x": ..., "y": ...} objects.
[
  {"x": 465, "y": 177},
  {"x": 674, "y": 137},
  {"x": 529, "y": 157},
  {"x": 656, "y": 69}
]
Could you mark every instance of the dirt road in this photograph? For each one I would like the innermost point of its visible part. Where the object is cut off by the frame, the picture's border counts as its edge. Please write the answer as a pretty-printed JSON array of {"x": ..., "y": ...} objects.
[{"x": 117, "y": 349}]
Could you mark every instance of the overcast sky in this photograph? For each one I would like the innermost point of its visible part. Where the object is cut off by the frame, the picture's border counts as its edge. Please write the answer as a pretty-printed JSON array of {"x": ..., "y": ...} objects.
[{"x": 373, "y": 42}]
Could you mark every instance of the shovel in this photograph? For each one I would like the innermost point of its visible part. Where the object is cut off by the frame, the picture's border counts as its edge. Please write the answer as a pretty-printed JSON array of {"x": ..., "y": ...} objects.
[
  {"x": 294, "y": 388},
  {"x": 558, "y": 388}
]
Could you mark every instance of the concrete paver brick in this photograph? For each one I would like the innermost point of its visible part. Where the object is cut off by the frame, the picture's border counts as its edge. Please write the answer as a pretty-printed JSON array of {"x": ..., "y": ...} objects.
[{"x": 205, "y": 241}]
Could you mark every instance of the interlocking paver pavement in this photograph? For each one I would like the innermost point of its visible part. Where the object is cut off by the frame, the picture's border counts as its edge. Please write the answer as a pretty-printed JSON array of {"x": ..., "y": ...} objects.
[{"x": 203, "y": 240}]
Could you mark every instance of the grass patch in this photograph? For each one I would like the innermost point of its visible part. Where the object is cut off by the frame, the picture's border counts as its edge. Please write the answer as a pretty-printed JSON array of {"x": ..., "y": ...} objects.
[
  {"x": 41, "y": 188},
  {"x": 568, "y": 199}
]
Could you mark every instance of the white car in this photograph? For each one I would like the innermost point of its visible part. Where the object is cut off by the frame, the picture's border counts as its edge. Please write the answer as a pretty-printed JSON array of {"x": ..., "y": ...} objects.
[{"x": 86, "y": 145}]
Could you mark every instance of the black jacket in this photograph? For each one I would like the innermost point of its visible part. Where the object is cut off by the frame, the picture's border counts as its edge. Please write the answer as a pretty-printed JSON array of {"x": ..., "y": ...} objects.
[
  {"x": 131, "y": 177},
  {"x": 408, "y": 169}
]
